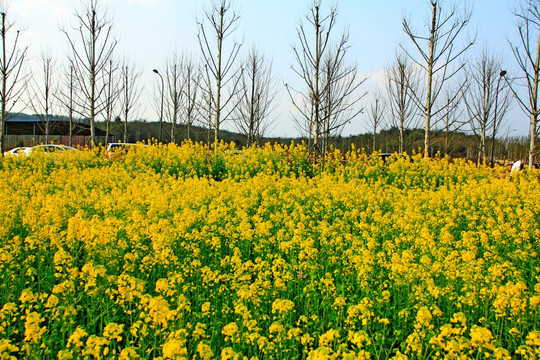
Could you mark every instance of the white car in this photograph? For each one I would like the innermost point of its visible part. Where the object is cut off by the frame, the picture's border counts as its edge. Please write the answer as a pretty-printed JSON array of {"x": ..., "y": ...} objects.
[
  {"x": 118, "y": 149},
  {"x": 51, "y": 148},
  {"x": 18, "y": 151}
]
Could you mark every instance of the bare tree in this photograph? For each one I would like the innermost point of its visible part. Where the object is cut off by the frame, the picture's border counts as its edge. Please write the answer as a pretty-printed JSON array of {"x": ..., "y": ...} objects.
[
  {"x": 256, "y": 97},
  {"x": 11, "y": 71},
  {"x": 309, "y": 61},
  {"x": 482, "y": 96},
  {"x": 92, "y": 45},
  {"x": 376, "y": 114},
  {"x": 439, "y": 56},
  {"x": 65, "y": 94},
  {"x": 332, "y": 86},
  {"x": 191, "y": 93},
  {"x": 452, "y": 119},
  {"x": 401, "y": 77},
  {"x": 206, "y": 107},
  {"x": 41, "y": 98},
  {"x": 130, "y": 92},
  {"x": 341, "y": 92},
  {"x": 174, "y": 83},
  {"x": 498, "y": 117},
  {"x": 220, "y": 22},
  {"x": 527, "y": 54},
  {"x": 111, "y": 94}
]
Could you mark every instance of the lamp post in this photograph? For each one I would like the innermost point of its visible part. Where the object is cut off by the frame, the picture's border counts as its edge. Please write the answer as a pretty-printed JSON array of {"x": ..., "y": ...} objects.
[
  {"x": 502, "y": 73},
  {"x": 161, "y": 114}
]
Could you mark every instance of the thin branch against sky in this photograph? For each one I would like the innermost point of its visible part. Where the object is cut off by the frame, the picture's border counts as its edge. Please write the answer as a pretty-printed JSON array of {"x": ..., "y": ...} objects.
[{"x": 374, "y": 27}]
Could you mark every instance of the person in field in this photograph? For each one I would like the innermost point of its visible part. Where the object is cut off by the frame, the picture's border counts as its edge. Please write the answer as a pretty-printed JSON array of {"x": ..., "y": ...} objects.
[{"x": 516, "y": 166}]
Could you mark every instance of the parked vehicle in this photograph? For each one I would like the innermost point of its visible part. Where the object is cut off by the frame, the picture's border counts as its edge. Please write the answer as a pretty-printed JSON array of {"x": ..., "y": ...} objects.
[
  {"x": 52, "y": 148},
  {"x": 17, "y": 151},
  {"x": 116, "y": 149}
]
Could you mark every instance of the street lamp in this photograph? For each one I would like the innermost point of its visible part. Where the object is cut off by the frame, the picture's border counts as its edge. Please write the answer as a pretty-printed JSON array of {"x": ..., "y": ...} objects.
[
  {"x": 502, "y": 73},
  {"x": 161, "y": 114}
]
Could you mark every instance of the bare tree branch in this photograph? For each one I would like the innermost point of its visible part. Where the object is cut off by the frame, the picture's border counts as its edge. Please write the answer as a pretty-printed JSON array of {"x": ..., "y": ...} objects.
[
  {"x": 400, "y": 78},
  {"x": 484, "y": 76},
  {"x": 92, "y": 46},
  {"x": 376, "y": 116},
  {"x": 42, "y": 90},
  {"x": 527, "y": 55},
  {"x": 11, "y": 72},
  {"x": 220, "y": 21},
  {"x": 130, "y": 92},
  {"x": 66, "y": 94},
  {"x": 438, "y": 55},
  {"x": 332, "y": 91},
  {"x": 256, "y": 98}
]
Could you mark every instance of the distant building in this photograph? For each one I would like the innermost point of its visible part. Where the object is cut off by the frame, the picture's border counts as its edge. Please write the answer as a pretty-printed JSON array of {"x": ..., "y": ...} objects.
[{"x": 29, "y": 130}]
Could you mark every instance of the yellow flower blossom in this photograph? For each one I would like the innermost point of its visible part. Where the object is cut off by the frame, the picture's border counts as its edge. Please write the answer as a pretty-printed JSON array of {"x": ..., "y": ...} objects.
[
  {"x": 204, "y": 351},
  {"x": 128, "y": 353},
  {"x": 230, "y": 331},
  {"x": 480, "y": 336},
  {"x": 76, "y": 338},
  {"x": 151, "y": 255},
  {"x": 322, "y": 353},
  {"x": 175, "y": 349},
  {"x": 533, "y": 338},
  {"x": 113, "y": 331},
  {"x": 32, "y": 329},
  {"x": 96, "y": 346},
  {"x": 6, "y": 348},
  {"x": 328, "y": 337},
  {"x": 229, "y": 354},
  {"x": 65, "y": 355},
  {"x": 205, "y": 308},
  {"x": 282, "y": 306}
]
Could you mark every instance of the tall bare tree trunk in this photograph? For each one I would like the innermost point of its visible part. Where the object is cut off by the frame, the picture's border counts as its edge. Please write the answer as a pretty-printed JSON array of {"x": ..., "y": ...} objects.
[
  {"x": 65, "y": 95},
  {"x": 528, "y": 24},
  {"x": 191, "y": 82},
  {"x": 329, "y": 102},
  {"x": 70, "y": 109},
  {"x": 47, "y": 110},
  {"x": 429, "y": 100},
  {"x": 4, "y": 80},
  {"x": 91, "y": 55},
  {"x": 13, "y": 81},
  {"x": 110, "y": 94},
  {"x": 221, "y": 22},
  {"x": 316, "y": 95},
  {"x": 129, "y": 93},
  {"x": 376, "y": 117},
  {"x": 217, "y": 119},
  {"x": 442, "y": 51},
  {"x": 534, "y": 113},
  {"x": 93, "y": 81},
  {"x": 41, "y": 88},
  {"x": 401, "y": 82},
  {"x": 255, "y": 99}
]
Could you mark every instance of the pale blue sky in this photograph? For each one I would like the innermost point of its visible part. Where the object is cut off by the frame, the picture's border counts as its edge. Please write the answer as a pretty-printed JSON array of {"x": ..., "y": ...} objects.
[{"x": 150, "y": 30}]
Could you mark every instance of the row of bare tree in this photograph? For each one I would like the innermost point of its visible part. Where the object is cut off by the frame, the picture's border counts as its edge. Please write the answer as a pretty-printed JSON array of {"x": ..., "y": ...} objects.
[
  {"x": 431, "y": 80},
  {"x": 93, "y": 82},
  {"x": 435, "y": 81}
]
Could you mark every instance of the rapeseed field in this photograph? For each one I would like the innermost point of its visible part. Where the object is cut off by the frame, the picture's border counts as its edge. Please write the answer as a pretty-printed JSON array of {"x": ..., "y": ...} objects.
[{"x": 174, "y": 252}]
